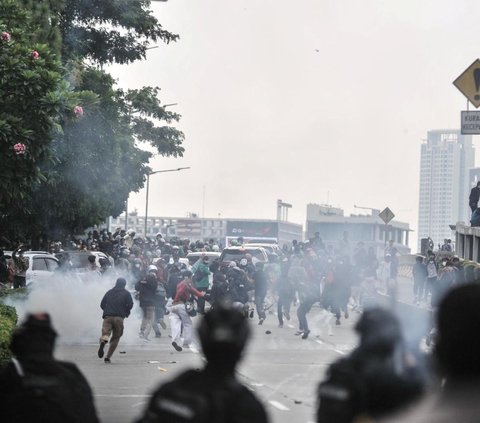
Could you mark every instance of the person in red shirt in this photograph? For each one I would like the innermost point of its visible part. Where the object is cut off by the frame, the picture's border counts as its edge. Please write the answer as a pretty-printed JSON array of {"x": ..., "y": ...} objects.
[{"x": 179, "y": 318}]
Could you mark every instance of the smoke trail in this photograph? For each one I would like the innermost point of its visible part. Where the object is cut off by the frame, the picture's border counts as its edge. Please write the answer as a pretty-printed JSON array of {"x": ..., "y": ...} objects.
[{"x": 73, "y": 302}]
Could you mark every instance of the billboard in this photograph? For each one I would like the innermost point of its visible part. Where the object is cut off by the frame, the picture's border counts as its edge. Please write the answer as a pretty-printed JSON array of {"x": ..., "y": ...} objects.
[{"x": 249, "y": 229}]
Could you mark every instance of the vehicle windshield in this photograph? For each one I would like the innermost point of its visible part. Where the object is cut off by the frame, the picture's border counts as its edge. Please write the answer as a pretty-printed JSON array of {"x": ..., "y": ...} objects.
[{"x": 231, "y": 255}]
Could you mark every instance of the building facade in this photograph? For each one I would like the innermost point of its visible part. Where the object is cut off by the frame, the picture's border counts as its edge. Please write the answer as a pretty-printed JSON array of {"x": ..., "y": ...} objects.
[
  {"x": 333, "y": 226},
  {"x": 222, "y": 230},
  {"x": 445, "y": 163}
]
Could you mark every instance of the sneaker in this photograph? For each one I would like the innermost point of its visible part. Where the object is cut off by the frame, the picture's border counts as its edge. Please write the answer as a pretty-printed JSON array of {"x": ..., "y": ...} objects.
[
  {"x": 260, "y": 322},
  {"x": 280, "y": 325},
  {"x": 163, "y": 324},
  {"x": 298, "y": 332},
  {"x": 305, "y": 334},
  {"x": 287, "y": 315},
  {"x": 106, "y": 360},
  {"x": 158, "y": 335},
  {"x": 177, "y": 347},
  {"x": 100, "y": 349}
]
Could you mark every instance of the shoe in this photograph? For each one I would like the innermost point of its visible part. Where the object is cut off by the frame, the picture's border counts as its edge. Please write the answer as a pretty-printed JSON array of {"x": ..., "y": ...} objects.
[
  {"x": 280, "y": 325},
  {"x": 298, "y": 332},
  {"x": 163, "y": 324},
  {"x": 287, "y": 315},
  {"x": 100, "y": 349},
  {"x": 337, "y": 322},
  {"x": 260, "y": 322},
  {"x": 177, "y": 347},
  {"x": 305, "y": 334},
  {"x": 158, "y": 335},
  {"x": 106, "y": 360}
]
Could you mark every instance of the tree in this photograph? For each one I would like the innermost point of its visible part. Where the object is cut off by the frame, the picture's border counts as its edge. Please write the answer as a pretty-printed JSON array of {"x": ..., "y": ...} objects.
[
  {"x": 96, "y": 160},
  {"x": 100, "y": 163},
  {"x": 34, "y": 99},
  {"x": 104, "y": 31}
]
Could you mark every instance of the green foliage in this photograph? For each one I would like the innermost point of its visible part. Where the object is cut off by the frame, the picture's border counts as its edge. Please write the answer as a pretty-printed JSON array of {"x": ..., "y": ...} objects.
[
  {"x": 33, "y": 95},
  {"x": 104, "y": 31},
  {"x": 8, "y": 321},
  {"x": 78, "y": 168},
  {"x": 99, "y": 161}
]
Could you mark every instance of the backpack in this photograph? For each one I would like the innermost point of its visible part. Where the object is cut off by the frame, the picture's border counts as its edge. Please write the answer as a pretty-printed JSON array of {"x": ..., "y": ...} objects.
[{"x": 178, "y": 402}]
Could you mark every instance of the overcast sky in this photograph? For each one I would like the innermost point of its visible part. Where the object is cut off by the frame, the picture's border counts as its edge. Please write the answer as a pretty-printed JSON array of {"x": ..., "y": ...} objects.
[{"x": 309, "y": 101}]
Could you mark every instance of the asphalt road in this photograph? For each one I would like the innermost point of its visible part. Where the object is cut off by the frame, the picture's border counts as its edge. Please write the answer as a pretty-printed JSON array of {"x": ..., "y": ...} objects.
[{"x": 282, "y": 369}]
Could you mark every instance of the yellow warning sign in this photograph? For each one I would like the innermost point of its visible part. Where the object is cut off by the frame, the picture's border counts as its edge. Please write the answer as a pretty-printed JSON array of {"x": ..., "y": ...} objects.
[{"x": 469, "y": 83}]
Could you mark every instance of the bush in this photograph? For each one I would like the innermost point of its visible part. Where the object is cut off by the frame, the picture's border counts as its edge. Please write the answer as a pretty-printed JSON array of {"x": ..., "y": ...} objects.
[{"x": 8, "y": 321}]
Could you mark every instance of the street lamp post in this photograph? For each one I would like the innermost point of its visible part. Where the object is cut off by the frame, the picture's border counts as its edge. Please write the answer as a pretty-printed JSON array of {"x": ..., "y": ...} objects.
[{"x": 148, "y": 187}]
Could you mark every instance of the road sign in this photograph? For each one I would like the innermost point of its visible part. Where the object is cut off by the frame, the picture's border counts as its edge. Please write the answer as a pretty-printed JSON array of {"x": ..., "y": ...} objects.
[
  {"x": 386, "y": 215},
  {"x": 470, "y": 122},
  {"x": 469, "y": 83}
]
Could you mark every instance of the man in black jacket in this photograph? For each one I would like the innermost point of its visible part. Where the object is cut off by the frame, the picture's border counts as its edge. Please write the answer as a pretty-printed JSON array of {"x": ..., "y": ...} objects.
[{"x": 116, "y": 305}]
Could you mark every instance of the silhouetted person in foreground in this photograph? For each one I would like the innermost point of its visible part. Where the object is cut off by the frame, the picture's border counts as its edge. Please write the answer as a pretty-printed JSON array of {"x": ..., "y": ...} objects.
[
  {"x": 457, "y": 356},
  {"x": 378, "y": 377},
  {"x": 212, "y": 394},
  {"x": 34, "y": 387}
]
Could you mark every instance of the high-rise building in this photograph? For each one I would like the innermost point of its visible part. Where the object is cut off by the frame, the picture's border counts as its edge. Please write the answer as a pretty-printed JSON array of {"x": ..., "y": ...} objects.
[{"x": 445, "y": 163}]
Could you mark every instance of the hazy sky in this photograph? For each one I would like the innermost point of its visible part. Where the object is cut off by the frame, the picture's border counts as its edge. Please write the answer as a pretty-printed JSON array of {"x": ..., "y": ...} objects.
[{"x": 309, "y": 101}]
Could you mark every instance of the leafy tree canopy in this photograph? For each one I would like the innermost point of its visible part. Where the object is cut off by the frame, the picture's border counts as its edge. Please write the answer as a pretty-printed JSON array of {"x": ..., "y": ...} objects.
[
  {"x": 82, "y": 148},
  {"x": 104, "y": 31}
]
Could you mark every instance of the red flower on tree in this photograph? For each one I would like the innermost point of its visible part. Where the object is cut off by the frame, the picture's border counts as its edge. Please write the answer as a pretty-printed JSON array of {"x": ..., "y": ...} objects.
[
  {"x": 5, "y": 36},
  {"x": 19, "y": 148},
  {"x": 78, "y": 110},
  {"x": 35, "y": 55}
]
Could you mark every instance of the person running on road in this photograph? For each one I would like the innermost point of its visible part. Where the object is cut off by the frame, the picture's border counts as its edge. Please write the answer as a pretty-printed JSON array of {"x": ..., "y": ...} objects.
[
  {"x": 116, "y": 305},
  {"x": 179, "y": 318},
  {"x": 147, "y": 289}
]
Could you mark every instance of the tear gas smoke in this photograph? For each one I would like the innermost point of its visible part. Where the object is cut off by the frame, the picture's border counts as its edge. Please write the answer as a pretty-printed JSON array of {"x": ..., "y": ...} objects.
[{"x": 73, "y": 302}]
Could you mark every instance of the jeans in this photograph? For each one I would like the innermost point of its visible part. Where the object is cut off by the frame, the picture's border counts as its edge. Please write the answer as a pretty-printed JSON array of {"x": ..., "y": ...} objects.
[
  {"x": 201, "y": 301},
  {"x": 147, "y": 321},
  {"x": 283, "y": 306},
  {"x": 302, "y": 311}
]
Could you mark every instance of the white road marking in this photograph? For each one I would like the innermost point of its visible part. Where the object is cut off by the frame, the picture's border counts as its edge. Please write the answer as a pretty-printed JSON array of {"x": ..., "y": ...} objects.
[
  {"x": 257, "y": 384},
  {"x": 138, "y": 404},
  {"x": 122, "y": 396},
  {"x": 279, "y": 405}
]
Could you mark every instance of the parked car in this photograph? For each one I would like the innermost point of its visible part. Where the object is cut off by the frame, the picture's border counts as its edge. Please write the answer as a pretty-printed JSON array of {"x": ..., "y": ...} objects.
[
  {"x": 41, "y": 264},
  {"x": 79, "y": 259},
  {"x": 193, "y": 257},
  {"x": 230, "y": 254},
  {"x": 270, "y": 248}
]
